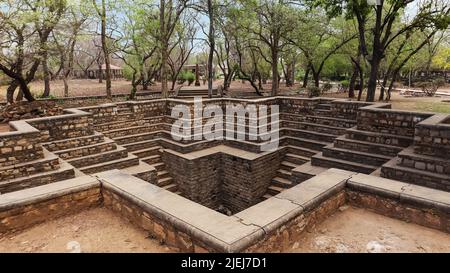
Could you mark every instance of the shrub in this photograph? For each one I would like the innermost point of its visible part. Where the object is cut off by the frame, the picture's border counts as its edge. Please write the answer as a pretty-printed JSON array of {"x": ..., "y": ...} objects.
[
  {"x": 430, "y": 87},
  {"x": 326, "y": 87},
  {"x": 345, "y": 83},
  {"x": 313, "y": 91},
  {"x": 187, "y": 76}
]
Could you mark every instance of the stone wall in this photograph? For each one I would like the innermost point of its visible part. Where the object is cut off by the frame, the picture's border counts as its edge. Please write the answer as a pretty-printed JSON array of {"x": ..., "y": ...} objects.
[
  {"x": 75, "y": 123},
  {"x": 198, "y": 179},
  {"x": 432, "y": 136},
  {"x": 20, "y": 210},
  {"x": 21, "y": 145},
  {"x": 347, "y": 109},
  {"x": 245, "y": 180},
  {"x": 298, "y": 105},
  {"x": 220, "y": 176},
  {"x": 377, "y": 118},
  {"x": 102, "y": 113}
]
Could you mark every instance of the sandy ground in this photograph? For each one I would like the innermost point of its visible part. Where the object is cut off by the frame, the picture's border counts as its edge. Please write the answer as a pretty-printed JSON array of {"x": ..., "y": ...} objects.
[
  {"x": 359, "y": 230},
  {"x": 95, "y": 230},
  {"x": 237, "y": 89},
  {"x": 4, "y": 127}
]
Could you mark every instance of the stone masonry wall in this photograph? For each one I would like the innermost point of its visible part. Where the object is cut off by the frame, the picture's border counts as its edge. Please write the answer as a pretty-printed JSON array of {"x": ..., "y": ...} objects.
[
  {"x": 244, "y": 181},
  {"x": 19, "y": 146},
  {"x": 432, "y": 136},
  {"x": 197, "y": 179},
  {"x": 346, "y": 109},
  {"x": 376, "y": 119},
  {"x": 21, "y": 217},
  {"x": 74, "y": 124}
]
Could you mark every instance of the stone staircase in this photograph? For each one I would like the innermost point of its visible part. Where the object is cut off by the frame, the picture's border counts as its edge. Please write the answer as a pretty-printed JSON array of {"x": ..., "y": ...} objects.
[
  {"x": 141, "y": 139},
  {"x": 360, "y": 151},
  {"x": 306, "y": 136},
  {"x": 424, "y": 170},
  {"x": 95, "y": 153},
  {"x": 44, "y": 170},
  {"x": 195, "y": 92},
  {"x": 294, "y": 157}
]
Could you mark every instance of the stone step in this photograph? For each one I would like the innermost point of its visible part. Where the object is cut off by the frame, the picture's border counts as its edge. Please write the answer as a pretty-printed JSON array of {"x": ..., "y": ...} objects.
[
  {"x": 106, "y": 145},
  {"x": 171, "y": 187},
  {"x": 143, "y": 171},
  {"x": 282, "y": 182},
  {"x": 306, "y": 143},
  {"x": 94, "y": 159},
  {"x": 323, "y": 106},
  {"x": 355, "y": 156},
  {"x": 381, "y": 138},
  {"x": 288, "y": 166},
  {"x": 50, "y": 162},
  {"x": 74, "y": 142},
  {"x": 329, "y": 162},
  {"x": 122, "y": 163},
  {"x": 411, "y": 175},
  {"x": 367, "y": 147},
  {"x": 152, "y": 159},
  {"x": 65, "y": 171},
  {"x": 267, "y": 196},
  {"x": 305, "y": 172},
  {"x": 274, "y": 190},
  {"x": 322, "y": 112},
  {"x": 309, "y": 134},
  {"x": 296, "y": 159},
  {"x": 154, "y": 150},
  {"x": 117, "y": 125},
  {"x": 320, "y": 128},
  {"x": 331, "y": 121},
  {"x": 124, "y": 116},
  {"x": 163, "y": 174},
  {"x": 162, "y": 182},
  {"x": 136, "y": 137},
  {"x": 284, "y": 174},
  {"x": 409, "y": 158},
  {"x": 135, "y": 146},
  {"x": 128, "y": 131},
  {"x": 159, "y": 166},
  {"x": 301, "y": 151}
]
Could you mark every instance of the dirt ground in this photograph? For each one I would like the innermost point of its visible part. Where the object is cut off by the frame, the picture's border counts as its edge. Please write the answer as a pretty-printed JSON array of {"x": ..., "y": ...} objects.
[
  {"x": 238, "y": 89},
  {"x": 359, "y": 230},
  {"x": 4, "y": 127},
  {"x": 94, "y": 230}
]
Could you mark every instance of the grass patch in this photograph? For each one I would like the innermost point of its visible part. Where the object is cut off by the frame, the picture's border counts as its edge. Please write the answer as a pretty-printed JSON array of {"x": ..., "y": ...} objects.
[{"x": 438, "y": 107}]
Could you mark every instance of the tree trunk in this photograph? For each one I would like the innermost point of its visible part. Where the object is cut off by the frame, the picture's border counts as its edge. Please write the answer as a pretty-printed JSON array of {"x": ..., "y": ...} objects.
[
  {"x": 316, "y": 77},
  {"x": 46, "y": 72},
  {"x": 212, "y": 43},
  {"x": 164, "y": 48},
  {"x": 106, "y": 53},
  {"x": 373, "y": 76},
  {"x": 10, "y": 91},
  {"x": 275, "y": 82},
  {"x": 305, "y": 78},
  {"x": 66, "y": 87},
  {"x": 351, "y": 87},
  {"x": 25, "y": 90}
]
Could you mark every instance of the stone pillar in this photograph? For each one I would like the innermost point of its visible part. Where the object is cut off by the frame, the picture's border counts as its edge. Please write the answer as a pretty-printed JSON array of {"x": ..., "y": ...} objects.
[{"x": 197, "y": 76}]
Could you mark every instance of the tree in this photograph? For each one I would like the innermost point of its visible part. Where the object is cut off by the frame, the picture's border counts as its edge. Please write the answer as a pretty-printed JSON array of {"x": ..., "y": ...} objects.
[
  {"x": 24, "y": 32},
  {"x": 170, "y": 12},
  {"x": 430, "y": 13},
  {"x": 102, "y": 13},
  {"x": 269, "y": 21}
]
